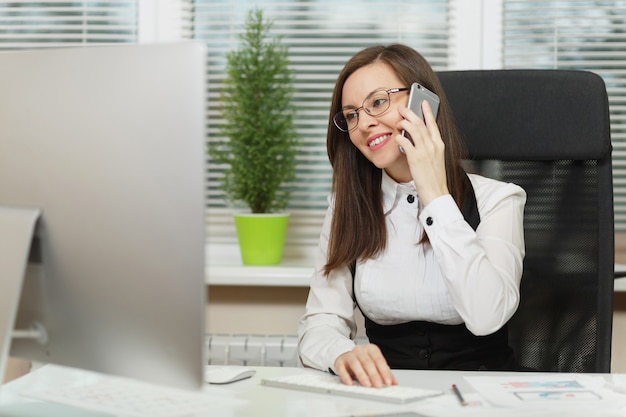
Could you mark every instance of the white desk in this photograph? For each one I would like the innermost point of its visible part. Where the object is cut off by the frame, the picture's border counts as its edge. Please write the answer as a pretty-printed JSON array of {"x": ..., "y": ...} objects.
[{"x": 250, "y": 399}]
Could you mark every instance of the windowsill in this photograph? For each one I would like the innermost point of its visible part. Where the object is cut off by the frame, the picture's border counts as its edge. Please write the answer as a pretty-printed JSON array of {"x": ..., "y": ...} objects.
[
  {"x": 225, "y": 268},
  {"x": 265, "y": 276}
]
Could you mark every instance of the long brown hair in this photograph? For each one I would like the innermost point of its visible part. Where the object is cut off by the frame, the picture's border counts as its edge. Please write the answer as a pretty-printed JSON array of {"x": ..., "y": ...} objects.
[{"x": 358, "y": 230}]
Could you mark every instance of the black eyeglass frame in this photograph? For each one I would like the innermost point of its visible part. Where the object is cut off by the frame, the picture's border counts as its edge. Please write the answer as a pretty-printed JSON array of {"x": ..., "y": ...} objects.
[{"x": 339, "y": 118}]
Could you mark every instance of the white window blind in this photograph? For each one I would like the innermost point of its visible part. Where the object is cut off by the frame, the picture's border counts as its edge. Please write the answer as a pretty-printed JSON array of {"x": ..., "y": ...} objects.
[
  {"x": 45, "y": 24},
  {"x": 321, "y": 35},
  {"x": 580, "y": 35}
]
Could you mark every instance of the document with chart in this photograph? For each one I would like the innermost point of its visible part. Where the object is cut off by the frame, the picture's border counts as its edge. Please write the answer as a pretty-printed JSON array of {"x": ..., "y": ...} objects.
[{"x": 544, "y": 389}]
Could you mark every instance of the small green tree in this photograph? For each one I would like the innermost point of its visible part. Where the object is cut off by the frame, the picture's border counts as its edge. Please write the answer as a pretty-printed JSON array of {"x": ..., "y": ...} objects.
[{"x": 260, "y": 138}]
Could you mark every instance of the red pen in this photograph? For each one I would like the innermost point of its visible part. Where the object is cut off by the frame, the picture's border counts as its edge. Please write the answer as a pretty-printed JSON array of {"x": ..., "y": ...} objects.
[{"x": 458, "y": 394}]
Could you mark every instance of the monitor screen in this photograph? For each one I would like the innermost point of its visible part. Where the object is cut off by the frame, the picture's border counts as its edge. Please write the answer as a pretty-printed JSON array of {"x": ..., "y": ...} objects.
[{"x": 106, "y": 144}]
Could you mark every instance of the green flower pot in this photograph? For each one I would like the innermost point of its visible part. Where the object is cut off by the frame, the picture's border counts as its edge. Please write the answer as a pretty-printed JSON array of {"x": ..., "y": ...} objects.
[{"x": 261, "y": 237}]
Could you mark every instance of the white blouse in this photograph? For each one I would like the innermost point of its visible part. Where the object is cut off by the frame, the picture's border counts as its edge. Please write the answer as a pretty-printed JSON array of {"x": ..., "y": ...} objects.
[{"x": 462, "y": 276}]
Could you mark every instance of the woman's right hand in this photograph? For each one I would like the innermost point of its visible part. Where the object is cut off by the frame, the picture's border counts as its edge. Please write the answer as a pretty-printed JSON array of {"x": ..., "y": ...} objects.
[
  {"x": 426, "y": 155},
  {"x": 365, "y": 364}
]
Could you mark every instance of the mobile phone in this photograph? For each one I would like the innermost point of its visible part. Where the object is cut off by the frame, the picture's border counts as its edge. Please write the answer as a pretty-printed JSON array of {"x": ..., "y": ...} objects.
[{"x": 417, "y": 95}]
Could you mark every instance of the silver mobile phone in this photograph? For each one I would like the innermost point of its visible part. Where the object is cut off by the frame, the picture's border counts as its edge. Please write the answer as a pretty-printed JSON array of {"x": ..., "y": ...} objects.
[{"x": 417, "y": 95}]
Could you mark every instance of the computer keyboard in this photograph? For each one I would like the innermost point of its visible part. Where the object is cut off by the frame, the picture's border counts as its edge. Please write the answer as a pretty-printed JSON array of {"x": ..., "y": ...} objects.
[
  {"x": 129, "y": 399},
  {"x": 330, "y": 384}
]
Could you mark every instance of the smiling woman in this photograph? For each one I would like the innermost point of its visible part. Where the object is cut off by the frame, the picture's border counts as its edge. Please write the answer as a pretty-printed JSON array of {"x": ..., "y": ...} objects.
[{"x": 401, "y": 235}]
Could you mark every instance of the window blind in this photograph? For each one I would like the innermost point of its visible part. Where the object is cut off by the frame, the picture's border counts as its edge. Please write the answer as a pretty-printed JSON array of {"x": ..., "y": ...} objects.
[
  {"x": 45, "y": 24},
  {"x": 321, "y": 36},
  {"x": 579, "y": 35}
]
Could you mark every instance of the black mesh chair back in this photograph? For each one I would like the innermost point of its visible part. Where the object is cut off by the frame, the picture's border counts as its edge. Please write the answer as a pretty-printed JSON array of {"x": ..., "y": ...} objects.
[{"x": 548, "y": 131}]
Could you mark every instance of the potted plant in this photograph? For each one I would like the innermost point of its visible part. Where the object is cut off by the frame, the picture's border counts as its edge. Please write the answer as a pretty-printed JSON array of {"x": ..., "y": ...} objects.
[{"x": 260, "y": 140}]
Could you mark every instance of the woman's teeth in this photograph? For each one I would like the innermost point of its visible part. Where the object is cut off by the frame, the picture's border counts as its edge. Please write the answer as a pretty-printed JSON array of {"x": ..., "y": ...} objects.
[{"x": 378, "y": 140}]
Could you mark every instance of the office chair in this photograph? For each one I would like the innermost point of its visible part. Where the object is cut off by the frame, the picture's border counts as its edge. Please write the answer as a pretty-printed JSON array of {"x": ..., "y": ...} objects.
[{"x": 548, "y": 131}]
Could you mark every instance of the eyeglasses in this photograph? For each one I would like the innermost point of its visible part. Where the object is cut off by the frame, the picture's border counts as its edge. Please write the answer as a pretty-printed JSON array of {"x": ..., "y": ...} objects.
[{"x": 375, "y": 104}]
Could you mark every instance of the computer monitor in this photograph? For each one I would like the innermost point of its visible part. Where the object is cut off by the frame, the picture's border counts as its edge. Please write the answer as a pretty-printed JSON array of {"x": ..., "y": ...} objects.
[{"x": 102, "y": 155}]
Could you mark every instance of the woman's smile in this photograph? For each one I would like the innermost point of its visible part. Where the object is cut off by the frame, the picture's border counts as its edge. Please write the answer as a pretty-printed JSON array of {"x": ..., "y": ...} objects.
[{"x": 378, "y": 141}]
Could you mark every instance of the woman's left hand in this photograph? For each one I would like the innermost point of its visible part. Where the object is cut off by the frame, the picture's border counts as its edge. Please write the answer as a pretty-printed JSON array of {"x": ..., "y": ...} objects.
[{"x": 426, "y": 155}]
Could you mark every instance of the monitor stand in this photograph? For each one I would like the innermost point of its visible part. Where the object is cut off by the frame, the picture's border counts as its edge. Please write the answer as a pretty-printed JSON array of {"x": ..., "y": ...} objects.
[{"x": 17, "y": 226}]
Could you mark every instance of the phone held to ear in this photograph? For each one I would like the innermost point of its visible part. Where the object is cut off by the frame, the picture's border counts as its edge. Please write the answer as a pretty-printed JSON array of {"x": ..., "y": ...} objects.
[{"x": 417, "y": 95}]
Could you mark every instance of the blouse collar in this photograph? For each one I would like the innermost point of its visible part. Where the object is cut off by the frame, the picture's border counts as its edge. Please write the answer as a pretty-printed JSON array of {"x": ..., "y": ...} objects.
[{"x": 394, "y": 191}]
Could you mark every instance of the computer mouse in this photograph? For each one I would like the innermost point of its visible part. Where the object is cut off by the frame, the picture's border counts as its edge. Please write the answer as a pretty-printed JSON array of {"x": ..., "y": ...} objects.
[{"x": 227, "y": 374}]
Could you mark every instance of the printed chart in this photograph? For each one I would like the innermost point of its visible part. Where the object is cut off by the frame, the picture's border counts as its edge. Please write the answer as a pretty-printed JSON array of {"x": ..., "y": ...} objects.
[{"x": 542, "y": 389}]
